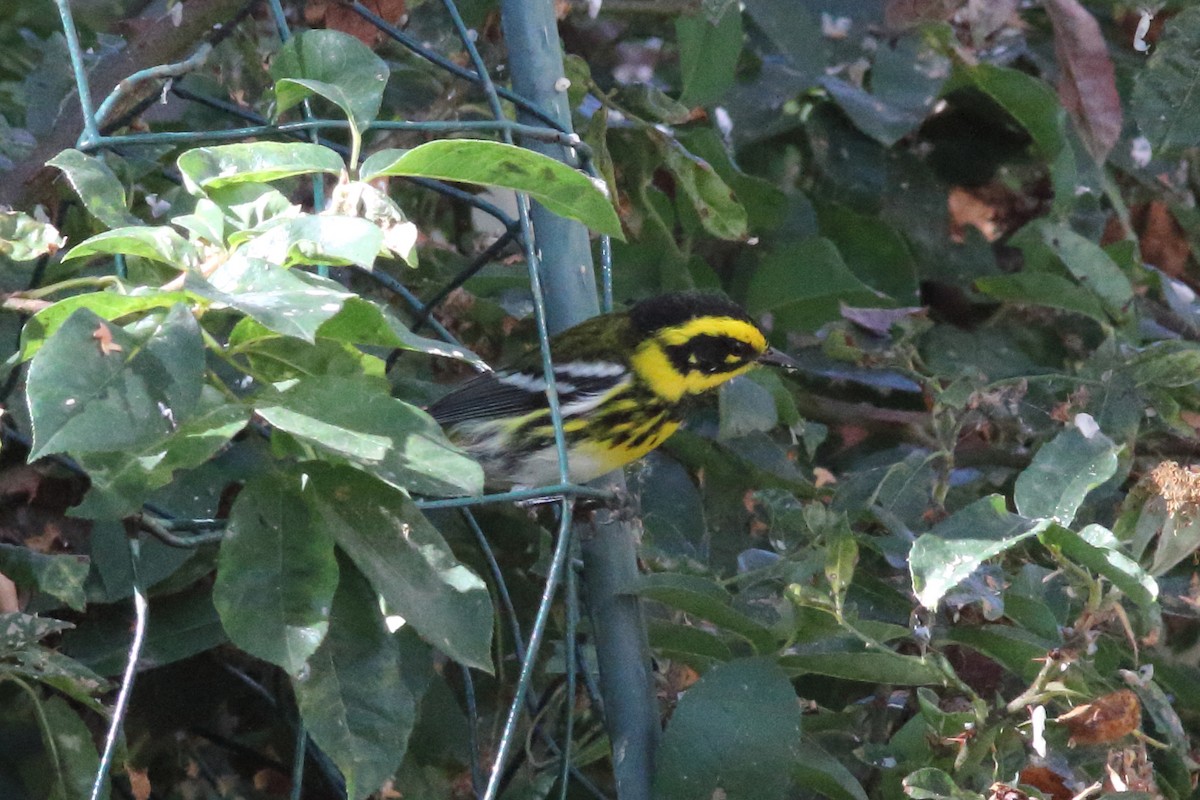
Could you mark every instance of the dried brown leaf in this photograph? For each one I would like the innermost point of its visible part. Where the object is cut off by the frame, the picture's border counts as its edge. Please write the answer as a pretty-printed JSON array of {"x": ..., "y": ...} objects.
[
  {"x": 1106, "y": 719},
  {"x": 1087, "y": 86}
]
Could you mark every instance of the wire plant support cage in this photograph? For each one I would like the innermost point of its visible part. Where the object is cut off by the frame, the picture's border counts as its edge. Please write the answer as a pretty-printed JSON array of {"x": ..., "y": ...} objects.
[{"x": 558, "y": 254}]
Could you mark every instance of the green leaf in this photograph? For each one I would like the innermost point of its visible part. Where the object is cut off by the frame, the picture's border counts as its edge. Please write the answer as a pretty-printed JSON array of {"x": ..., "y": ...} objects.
[
  {"x": 362, "y": 322},
  {"x": 101, "y": 191},
  {"x": 804, "y": 284},
  {"x": 1091, "y": 265},
  {"x": 160, "y": 243},
  {"x": 815, "y": 768},
  {"x": 718, "y": 209},
  {"x": 561, "y": 189},
  {"x": 707, "y": 600},
  {"x": 1042, "y": 289},
  {"x": 1166, "y": 91},
  {"x": 873, "y": 250},
  {"x": 317, "y": 239},
  {"x": 883, "y": 122},
  {"x": 60, "y": 576},
  {"x": 277, "y": 573},
  {"x": 84, "y": 399},
  {"x": 122, "y": 481},
  {"x": 358, "y": 419},
  {"x": 407, "y": 562},
  {"x": 107, "y": 305},
  {"x": 1096, "y": 548},
  {"x": 73, "y": 757},
  {"x": 796, "y": 35},
  {"x": 287, "y": 301},
  {"x": 1015, "y": 649},
  {"x": 1063, "y": 471},
  {"x": 1031, "y": 102},
  {"x": 352, "y": 698},
  {"x": 18, "y": 631},
  {"x": 687, "y": 643},
  {"x": 1169, "y": 364},
  {"x": 23, "y": 238},
  {"x": 209, "y": 168},
  {"x": 708, "y": 55},
  {"x": 335, "y": 66},
  {"x": 957, "y": 545},
  {"x": 734, "y": 734},
  {"x": 869, "y": 667},
  {"x": 930, "y": 783}
]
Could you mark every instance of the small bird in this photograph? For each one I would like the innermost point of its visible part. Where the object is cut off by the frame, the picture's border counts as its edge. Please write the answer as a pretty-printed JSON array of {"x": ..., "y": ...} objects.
[{"x": 624, "y": 381}]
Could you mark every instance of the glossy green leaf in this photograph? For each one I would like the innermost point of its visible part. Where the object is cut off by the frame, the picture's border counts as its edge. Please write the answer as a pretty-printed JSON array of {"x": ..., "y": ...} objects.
[
  {"x": 160, "y": 244},
  {"x": 359, "y": 420},
  {"x": 1166, "y": 91},
  {"x": 122, "y": 481},
  {"x": 734, "y": 734},
  {"x": 1031, "y": 102},
  {"x": 317, "y": 239},
  {"x": 804, "y": 284},
  {"x": 287, "y": 301},
  {"x": 561, "y": 189},
  {"x": 708, "y": 55},
  {"x": 102, "y": 193},
  {"x": 869, "y": 667},
  {"x": 718, "y": 209},
  {"x": 707, "y": 600},
  {"x": 59, "y": 576},
  {"x": 335, "y": 66},
  {"x": 1096, "y": 548},
  {"x": 957, "y": 545},
  {"x": 107, "y": 305},
  {"x": 23, "y": 238},
  {"x": 407, "y": 562},
  {"x": 352, "y": 698},
  {"x": 873, "y": 250},
  {"x": 363, "y": 322},
  {"x": 277, "y": 573},
  {"x": 73, "y": 759},
  {"x": 361, "y": 199},
  {"x": 209, "y": 168},
  {"x": 95, "y": 387},
  {"x": 687, "y": 643},
  {"x": 1063, "y": 471}
]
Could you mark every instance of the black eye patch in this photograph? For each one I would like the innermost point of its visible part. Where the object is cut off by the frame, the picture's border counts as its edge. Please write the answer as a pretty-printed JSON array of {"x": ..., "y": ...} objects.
[{"x": 710, "y": 354}]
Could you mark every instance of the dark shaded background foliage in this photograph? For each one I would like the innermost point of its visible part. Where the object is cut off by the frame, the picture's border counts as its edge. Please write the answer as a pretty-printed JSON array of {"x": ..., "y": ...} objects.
[{"x": 974, "y": 225}]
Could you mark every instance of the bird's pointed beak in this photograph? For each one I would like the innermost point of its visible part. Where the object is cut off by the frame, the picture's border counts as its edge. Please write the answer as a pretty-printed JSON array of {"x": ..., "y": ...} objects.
[{"x": 777, "y": 358}]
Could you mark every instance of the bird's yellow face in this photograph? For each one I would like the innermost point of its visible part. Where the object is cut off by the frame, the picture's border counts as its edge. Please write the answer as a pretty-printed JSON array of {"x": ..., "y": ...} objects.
[{"x": 697, "y": 355}]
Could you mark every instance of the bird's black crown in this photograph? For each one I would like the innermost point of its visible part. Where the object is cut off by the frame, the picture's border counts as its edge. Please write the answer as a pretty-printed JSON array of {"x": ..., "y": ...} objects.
[{"x": 665, "y": 311}]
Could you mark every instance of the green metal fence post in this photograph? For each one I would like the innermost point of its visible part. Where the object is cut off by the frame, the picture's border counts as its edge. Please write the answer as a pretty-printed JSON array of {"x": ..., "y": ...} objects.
[{"x": 608, "y": 543}]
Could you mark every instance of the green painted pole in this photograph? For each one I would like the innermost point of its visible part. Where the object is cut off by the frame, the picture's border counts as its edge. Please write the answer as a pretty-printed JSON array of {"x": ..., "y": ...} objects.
[{"x": 608, "y": 543}]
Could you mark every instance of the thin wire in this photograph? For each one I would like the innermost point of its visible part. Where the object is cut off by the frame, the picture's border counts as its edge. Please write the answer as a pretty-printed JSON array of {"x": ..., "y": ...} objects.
[
  {"x": 564, "y": 774},
  {"x": 141, "y": 613},
  {"x": 472, "y": 729},
  {"x": 298, "y": 758},
  {"x": 507, "y": 738}
]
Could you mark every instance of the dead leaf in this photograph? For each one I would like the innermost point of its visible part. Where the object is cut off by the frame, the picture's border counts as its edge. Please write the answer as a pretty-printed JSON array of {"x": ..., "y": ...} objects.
[
  {"x": 1161, "y": 238},
  {"x": 1106, "y": 719},
  {"x": 139, "y": 782},
  {"x": 823, "y": 477},
  {"x": 1046, "y": 781},
  {"x": 1002, "y": 791},
  {"x": 1088, "y": 84},
  {"x": 103, "y": 336},
  {"x": 337, "y": 16}
]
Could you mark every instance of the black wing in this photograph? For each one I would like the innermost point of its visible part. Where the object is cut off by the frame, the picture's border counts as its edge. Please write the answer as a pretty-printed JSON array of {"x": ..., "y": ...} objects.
[
  {"x": 515, "y": 393},
  {"x": 486, "y": 397}
]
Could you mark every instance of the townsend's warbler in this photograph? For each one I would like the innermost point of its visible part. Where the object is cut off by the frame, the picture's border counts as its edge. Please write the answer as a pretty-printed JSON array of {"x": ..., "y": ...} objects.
[{"x": 624, "y": 381}]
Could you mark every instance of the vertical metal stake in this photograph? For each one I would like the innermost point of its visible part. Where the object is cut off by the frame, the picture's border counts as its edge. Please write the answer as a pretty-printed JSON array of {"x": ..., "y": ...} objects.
[{"x": 608, "y": 542}]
